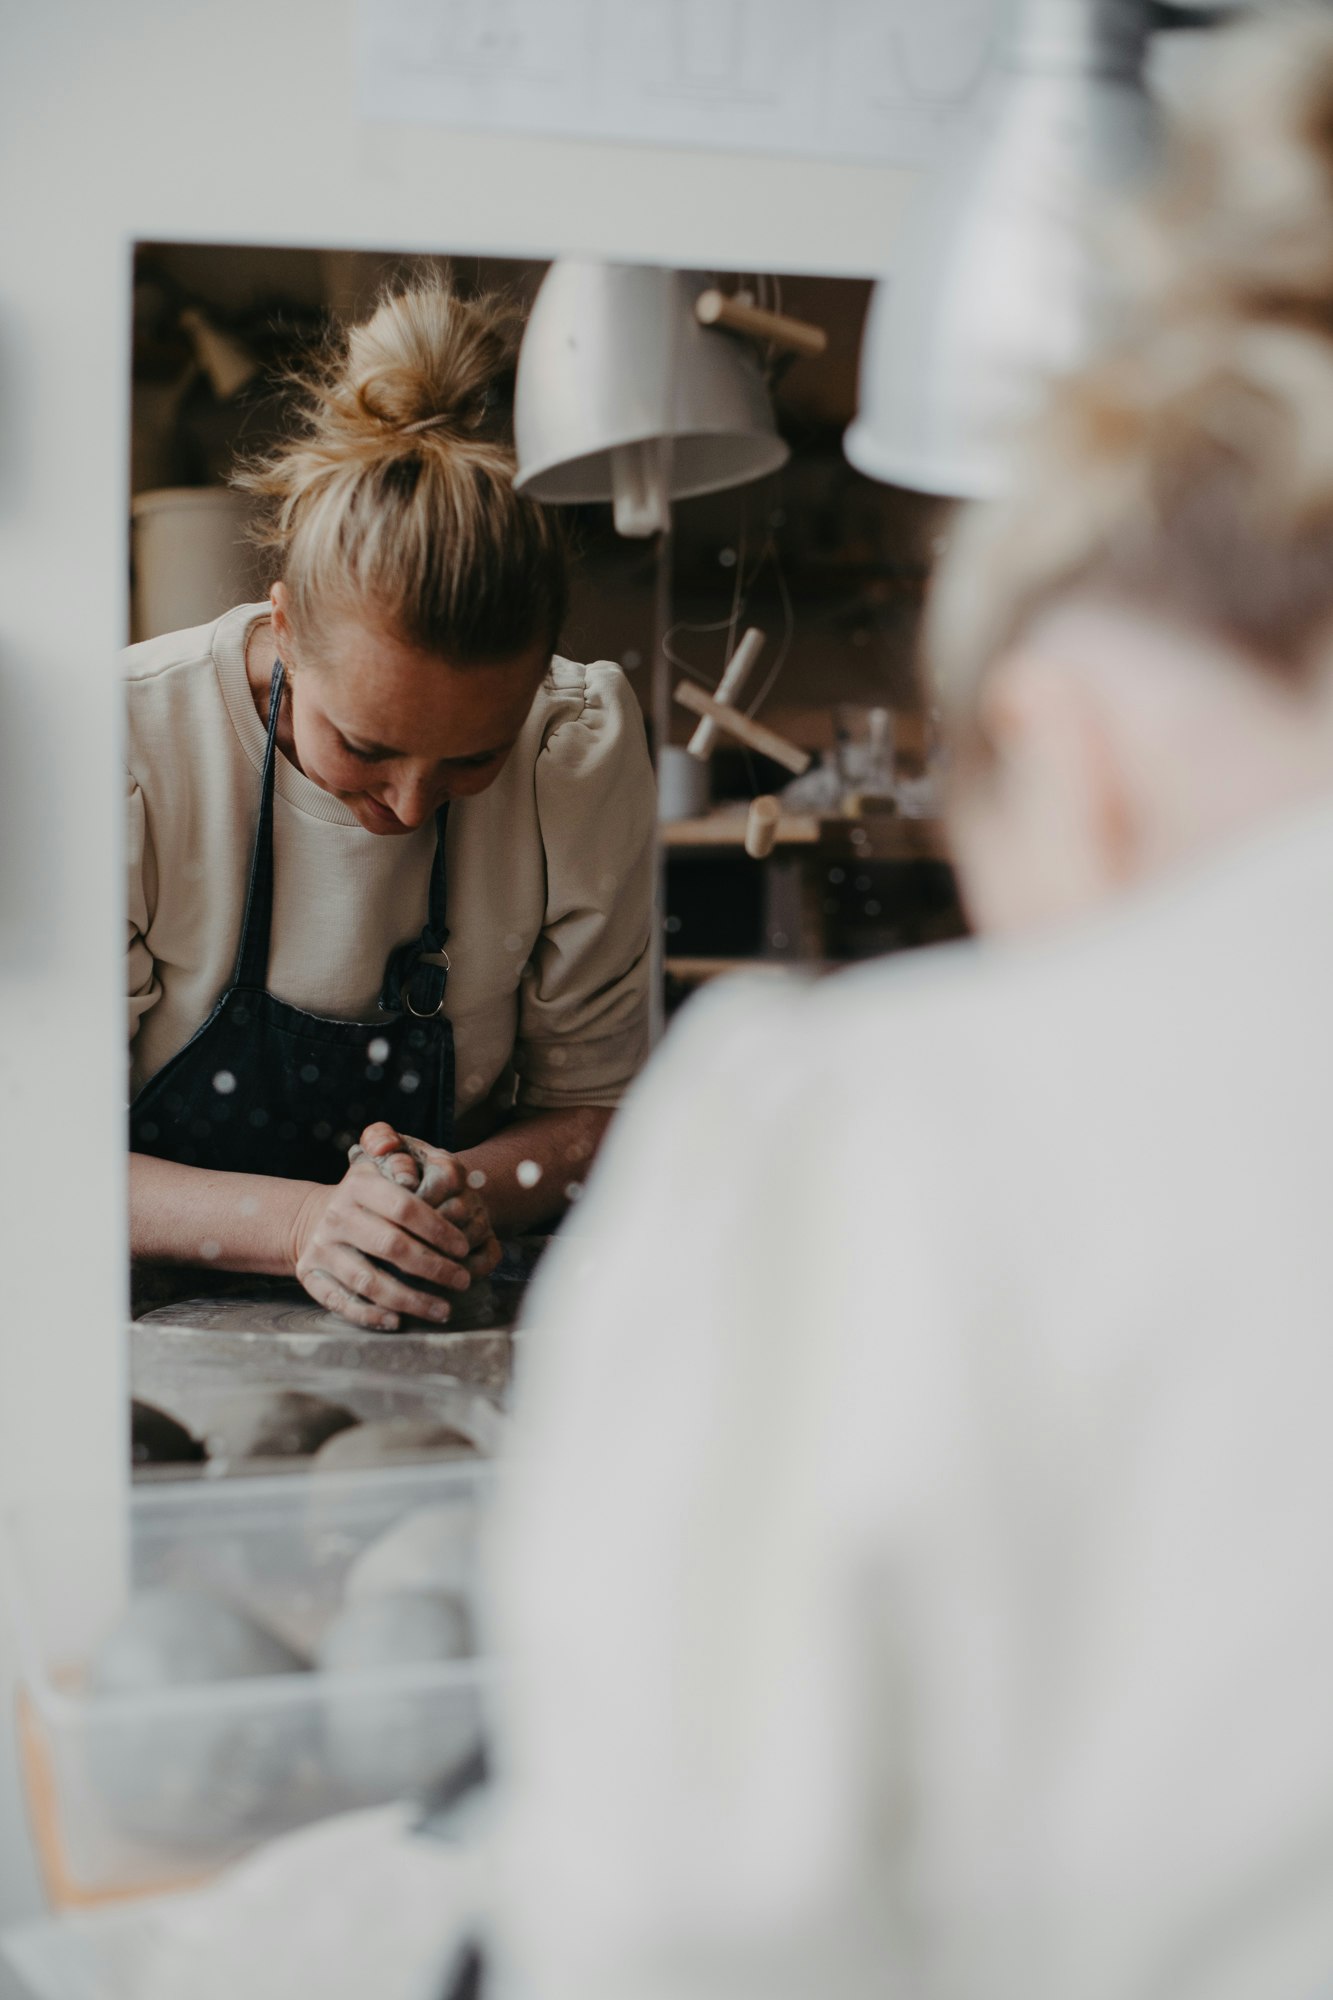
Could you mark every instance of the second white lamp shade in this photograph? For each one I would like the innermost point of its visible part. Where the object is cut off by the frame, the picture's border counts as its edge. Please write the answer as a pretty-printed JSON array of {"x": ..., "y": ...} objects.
[
  {"x": 998, "y": 285},
  {"x": 623, "y": 396}
]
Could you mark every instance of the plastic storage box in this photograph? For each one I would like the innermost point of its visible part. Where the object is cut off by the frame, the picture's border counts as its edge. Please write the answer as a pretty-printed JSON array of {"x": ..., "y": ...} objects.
[{"x": 135, "y": 1793}]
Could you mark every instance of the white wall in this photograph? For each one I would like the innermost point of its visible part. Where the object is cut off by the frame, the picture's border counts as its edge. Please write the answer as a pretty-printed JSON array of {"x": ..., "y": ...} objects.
[{"x": 227, "y": 122}]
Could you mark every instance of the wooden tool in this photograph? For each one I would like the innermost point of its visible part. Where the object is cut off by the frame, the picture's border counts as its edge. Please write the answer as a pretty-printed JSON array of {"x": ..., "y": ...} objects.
[
  {"x": 761, "y": 826},
  {"x": 732, "y": 681},
  {"x": 753, "y": 735},
  {"x": 796, "y": 336}
]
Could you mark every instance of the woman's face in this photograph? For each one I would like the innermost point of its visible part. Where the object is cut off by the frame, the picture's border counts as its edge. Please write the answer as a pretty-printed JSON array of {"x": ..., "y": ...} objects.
[{"x": 394, "y": 732}]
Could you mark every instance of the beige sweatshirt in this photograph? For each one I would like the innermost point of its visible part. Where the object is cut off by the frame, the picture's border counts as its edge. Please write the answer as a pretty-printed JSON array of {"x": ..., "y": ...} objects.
[{"x": 549, "y": 879}]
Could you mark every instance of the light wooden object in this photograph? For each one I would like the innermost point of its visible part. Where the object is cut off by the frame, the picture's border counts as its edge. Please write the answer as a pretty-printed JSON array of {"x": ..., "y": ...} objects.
[
  {"x": 761, "y": 826},
  {"x": 796, "y": 336},
  {"x": 766, "y": 742},
  {"x": 879, "y": 837},
  {"x": 733, "y": 680}
]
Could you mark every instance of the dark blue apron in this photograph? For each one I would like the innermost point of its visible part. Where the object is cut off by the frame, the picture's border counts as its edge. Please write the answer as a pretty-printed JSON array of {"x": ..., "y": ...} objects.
[{"x": 264, "y": 1088}]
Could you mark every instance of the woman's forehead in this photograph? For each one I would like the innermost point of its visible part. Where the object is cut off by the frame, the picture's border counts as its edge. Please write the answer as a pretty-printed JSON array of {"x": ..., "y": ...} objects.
[{"x": 381, "y": 691}]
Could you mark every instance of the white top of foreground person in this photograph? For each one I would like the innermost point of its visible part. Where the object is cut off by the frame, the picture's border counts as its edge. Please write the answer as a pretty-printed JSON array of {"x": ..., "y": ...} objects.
[
  {"x": 916, "y": 1562},
  {"x": 927, "y": 1505}
]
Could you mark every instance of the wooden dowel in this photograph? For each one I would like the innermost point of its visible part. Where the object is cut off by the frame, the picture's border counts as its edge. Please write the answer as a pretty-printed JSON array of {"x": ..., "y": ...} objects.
[
  {"x": 730, "y": 685},
  {"x": 797, "y": 336},
  {"x": 766, "y": 742},
  {"x": 761, "y": 826}
]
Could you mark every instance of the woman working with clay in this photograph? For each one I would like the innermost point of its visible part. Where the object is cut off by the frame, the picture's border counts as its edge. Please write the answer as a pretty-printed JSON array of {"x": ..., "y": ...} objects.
[{"x": 390, "y": 865}]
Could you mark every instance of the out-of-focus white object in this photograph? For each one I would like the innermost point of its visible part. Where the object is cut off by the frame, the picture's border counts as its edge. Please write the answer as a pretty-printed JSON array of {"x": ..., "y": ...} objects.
[
  {"x": 818, "y": 791},
  {"x": 998, "y": 285},
  {"x": 623, "y": 396},
  {"x": 734, "y": 676},
  {"x": 682, "y": 784},
  {"x": 429, "y": 1549},
  {"x": 949, "y": 1479},
  {"x": 355, "y": 1906},
  {"x": 865, "y": 750},
  {"x": 190, "y": 556}
]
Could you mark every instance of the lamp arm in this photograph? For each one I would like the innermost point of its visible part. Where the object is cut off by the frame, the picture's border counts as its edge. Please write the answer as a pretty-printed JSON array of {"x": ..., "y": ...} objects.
[{"x": 796, "y": 336}]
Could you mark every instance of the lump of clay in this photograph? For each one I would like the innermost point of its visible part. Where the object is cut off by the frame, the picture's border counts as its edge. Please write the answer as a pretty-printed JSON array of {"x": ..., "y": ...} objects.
[
  {"x": 385, "y": 1740},
  {"x": 157, "y": 1439},
  {"x": 470, "y": 1310},
  {"x": 192, "y": 1774},
  {"x": 273, "y": 1423},
  {"x": 390, "y": 1441},
  {"x": 431, "y": 1549}
]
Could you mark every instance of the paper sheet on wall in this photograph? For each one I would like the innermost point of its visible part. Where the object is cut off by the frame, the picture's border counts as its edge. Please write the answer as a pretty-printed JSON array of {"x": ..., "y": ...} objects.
[{"x": 867, "y": 80}]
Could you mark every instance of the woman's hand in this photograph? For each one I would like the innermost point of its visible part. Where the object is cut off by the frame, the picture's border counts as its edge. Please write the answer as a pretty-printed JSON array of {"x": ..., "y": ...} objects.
[
  {"x": 441, "y": 1181},
  {"x": 340, "y": 1230}
]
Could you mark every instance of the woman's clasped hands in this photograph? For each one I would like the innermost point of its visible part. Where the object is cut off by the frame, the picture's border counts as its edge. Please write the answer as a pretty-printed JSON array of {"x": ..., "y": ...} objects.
[{"x": 403, "y": 1217}]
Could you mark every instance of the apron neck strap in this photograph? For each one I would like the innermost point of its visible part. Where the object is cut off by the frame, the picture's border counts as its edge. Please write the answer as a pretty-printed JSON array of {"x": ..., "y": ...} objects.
[
  {"x": 411, "y": 984},
  {"x": 252, "y": 953}
]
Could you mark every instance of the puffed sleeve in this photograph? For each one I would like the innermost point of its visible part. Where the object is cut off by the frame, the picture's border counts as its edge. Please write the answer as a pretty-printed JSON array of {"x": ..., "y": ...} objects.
[
  {"x": 141, "y": 974},
  {"x": 583, "y": 1011}
]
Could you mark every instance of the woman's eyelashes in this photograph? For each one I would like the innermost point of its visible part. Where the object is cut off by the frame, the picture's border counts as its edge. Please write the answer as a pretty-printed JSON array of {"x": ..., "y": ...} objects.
[{"x": 481, "y": 762}]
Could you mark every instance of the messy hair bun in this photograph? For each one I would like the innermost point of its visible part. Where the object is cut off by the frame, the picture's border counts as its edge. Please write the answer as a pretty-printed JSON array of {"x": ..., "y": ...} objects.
[
  {"x": 397, "y": 491},
  {"x": 1190, "y": 471}
]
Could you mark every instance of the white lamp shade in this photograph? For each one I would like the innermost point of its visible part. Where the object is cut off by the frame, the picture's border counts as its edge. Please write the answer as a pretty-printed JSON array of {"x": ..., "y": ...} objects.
[
  {"x": 622, "y": 393},
  {"x": 999, "y": 285}
]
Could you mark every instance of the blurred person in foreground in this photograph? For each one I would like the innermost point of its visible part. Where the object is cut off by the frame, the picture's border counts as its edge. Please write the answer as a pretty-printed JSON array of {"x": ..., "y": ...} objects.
[{"x": 918, "y": 1561}]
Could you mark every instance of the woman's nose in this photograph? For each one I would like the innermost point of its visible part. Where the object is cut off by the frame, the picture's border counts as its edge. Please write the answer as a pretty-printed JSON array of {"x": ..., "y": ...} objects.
[{"x": 414, "y": 798}]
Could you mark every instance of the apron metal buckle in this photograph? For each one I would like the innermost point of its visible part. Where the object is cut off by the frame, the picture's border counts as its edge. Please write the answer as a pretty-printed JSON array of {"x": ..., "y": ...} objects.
[{"x": 405, "y": 993}]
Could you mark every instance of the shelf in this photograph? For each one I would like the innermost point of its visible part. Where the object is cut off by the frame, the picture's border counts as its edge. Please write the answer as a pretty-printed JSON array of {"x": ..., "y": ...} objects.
[
  {"x": 871, "y": 836},
  {"x": 695, "y": 971}
]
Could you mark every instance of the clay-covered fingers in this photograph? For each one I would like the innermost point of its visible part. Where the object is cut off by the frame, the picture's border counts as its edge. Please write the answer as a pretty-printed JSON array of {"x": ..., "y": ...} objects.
[
  {"x": 379, "y": 1292},
  {"x": 335, "y": 1297},
  {"x": 468, "y": 1214},
  {"x": 348, "y": 1233},
  {"x": 407, "y": 1215},
  {"x": 484, "y": 1260},
  {"x": 392, "y": 1156}
]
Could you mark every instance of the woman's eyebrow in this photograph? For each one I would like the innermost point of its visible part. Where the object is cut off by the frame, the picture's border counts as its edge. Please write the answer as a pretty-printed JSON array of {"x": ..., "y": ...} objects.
[{"x": 369, "y": 749}]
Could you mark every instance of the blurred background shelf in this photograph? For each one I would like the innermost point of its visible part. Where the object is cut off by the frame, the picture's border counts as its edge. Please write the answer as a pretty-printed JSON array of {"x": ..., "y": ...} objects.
[{"x": 872, "y": 836}]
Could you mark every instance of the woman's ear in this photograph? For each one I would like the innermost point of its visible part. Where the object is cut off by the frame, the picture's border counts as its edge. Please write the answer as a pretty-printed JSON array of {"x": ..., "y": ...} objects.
[
  {"x": 279, "y": 613},
  {"x": 1053, "y": 828}
]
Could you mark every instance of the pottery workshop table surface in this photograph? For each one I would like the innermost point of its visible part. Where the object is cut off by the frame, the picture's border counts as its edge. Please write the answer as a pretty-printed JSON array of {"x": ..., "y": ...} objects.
[
  {"x": 250, "y": 1337},
  {"x": 257, "y": 1324}
]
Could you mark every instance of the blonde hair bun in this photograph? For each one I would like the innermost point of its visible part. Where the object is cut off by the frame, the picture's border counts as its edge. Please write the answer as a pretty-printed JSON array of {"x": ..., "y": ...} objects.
[
  {"x": 429, "y": 363},
  {"x": 396, "y": 495}
]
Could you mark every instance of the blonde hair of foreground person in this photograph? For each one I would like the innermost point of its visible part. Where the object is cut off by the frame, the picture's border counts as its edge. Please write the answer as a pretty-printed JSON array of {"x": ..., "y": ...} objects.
[
  {"x": 913, "y": 1565},
  {"x": 397, "y": 494},
  {"x": 1150, "y": 612}
]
